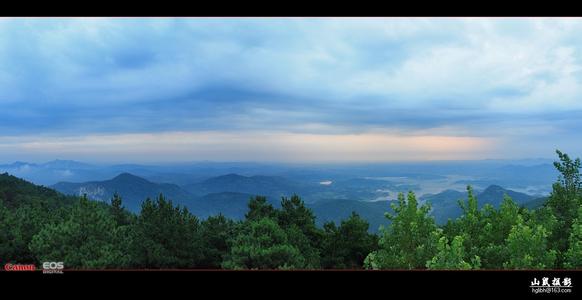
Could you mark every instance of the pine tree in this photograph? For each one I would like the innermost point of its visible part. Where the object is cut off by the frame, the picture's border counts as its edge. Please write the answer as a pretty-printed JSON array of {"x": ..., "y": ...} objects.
[
  {"x": 86, "y": 239},
  {"x": 348, "y": 245},
  {"x": 7, "y": 248},
  {"x": 263, "y": 244},
  {"x": 259, "y": 208},
  {"x": 119, "y": 213},
  {"x": 299, "y": 223},
  {"x": 166, "y": 236},
  {"x": 216, "y": 233}
]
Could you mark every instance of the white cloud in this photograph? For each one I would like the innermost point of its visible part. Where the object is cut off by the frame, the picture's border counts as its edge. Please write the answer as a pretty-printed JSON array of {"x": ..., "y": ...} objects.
[{"x": 469, "y": 77}]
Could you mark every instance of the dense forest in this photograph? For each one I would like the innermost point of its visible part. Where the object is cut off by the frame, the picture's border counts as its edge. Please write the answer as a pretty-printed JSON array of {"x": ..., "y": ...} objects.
[{"x": 38, "y": 224}]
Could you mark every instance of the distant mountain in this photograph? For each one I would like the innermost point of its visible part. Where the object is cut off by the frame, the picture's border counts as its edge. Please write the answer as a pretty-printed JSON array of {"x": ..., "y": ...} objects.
[
  {"x": 17, "y": 165},
  {"x": 271, "y": 186},
  {"x": 229, "y": 195},
  {"x": 535, "y": 203},
  {"x": 445, "y": 195},
  {"x": 133, "y": 189},
  {"x": 539, "y": 180},
  {"x": 66, "y": 164},
  {"x": 445, "y": 205},
  {"x": 235, "y": 205},
  {"x": 494, "y": 195},
  {"x": 54, "y": 164},
  {"x": 57, "y": 170},
  {"x": 232, "y": 205},
  {"x": 337, "y": 210}
]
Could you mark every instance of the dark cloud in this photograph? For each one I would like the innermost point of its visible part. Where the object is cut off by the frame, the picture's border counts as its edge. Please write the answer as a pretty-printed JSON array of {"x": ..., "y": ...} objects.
[{"x": 476, "y": 77}]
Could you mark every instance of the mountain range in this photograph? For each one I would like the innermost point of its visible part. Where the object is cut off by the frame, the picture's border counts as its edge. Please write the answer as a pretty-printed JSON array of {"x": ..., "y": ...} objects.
[
  {"x": 229, "y": 194},
  {"x": 445, "y": 204},
  {"x": 273, "y": 186},
  {"x": 133, "y": 189}
]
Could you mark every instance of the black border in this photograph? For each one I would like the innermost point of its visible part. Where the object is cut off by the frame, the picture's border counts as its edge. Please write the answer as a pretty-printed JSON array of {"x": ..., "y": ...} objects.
[
  {"x": 359, "y": 283},
  {"x": 289, "y": 9}
]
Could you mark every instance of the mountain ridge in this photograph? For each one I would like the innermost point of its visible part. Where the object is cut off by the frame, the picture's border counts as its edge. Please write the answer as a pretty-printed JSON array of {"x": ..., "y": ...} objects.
[
  {"x": 133, "y": 189},
  {"x": 229, "y": 194}
]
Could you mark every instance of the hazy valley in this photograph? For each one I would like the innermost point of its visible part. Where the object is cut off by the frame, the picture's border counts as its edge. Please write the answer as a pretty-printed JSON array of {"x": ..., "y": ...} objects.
[{"x": 332, "y": 191}]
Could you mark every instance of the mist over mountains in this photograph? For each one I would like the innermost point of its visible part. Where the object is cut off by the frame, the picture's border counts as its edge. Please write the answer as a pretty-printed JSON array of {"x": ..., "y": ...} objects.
[
  {"x": 332, "y": 191},
  {"x": 229, "y": 195},
  {"x": 480, "y": 173}
]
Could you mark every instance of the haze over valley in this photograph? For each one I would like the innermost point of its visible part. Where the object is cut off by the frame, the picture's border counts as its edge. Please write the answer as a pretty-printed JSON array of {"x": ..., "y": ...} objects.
[{"x": 332, "y": 190}]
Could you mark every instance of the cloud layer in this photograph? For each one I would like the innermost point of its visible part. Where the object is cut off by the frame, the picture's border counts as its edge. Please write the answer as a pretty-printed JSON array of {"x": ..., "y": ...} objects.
[{"x": 511, "y": 84}]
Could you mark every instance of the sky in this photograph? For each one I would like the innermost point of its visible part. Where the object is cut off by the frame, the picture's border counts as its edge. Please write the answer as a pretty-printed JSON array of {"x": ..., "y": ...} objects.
[{"x": 289, "y": 89}]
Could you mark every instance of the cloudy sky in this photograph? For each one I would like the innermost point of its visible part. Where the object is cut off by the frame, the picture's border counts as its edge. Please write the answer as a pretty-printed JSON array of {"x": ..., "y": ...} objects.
[{"x": 289, "y": 89}]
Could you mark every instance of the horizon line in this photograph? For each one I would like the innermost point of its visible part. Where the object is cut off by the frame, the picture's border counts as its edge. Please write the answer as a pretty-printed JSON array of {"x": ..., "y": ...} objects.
[{"x": 283, "y": 162}]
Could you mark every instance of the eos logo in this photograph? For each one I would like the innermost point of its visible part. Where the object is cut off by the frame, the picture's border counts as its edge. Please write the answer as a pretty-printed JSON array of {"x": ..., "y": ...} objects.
[{"x": 53, "y": 267}]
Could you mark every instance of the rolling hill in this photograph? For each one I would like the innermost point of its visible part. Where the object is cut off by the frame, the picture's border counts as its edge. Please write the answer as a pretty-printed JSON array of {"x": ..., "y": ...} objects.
[
  {"x": 133, "y": 189},
  {"x": 337, "y": 210},
  {"x": 230, "y": 204},
  {"x": 272, "y": 186},
  {"x": 16, "y": 192},
  {"x": 229, "y": 195},
  {"x": 445, "y": 204}
]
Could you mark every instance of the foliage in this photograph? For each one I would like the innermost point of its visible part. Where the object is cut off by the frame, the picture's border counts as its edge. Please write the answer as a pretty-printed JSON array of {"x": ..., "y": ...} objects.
[
  {"x": 88, "y": 238},
  {"x": 527, "y": 246},
  {"x": 573, "y": 256},
  {"x": 165, "y": 236},
  {"x": 299, "y": 223},
  {"x": 259, "y": 208},
  {"x": 38, "y": 224},
  {"x": 348, "y": 245},
  {"x": 452, "y": 257},
  {"x": 263, "y": 244},
  {"x": 216, "y": 233},
  {"x": 409, "y": 241}
]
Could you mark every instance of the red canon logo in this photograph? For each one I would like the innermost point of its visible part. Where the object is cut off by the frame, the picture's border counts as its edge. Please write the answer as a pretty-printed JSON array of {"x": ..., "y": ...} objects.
[{"x": 17, "y": 267}]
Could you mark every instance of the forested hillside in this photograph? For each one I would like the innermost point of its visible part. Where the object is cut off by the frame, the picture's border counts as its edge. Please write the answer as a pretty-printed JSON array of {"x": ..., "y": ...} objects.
[{"x": 38, "y": 224}]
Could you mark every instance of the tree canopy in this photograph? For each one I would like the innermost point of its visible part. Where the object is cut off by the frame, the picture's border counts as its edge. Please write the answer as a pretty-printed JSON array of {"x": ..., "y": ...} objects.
[{"x": 38, "y": 224}]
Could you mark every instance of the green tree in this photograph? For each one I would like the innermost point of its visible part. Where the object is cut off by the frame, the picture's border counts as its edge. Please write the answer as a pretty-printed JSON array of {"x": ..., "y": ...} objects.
[
  {"x": 88, "y": 238},
  {"x": 573, "y": 256},
  {"x": 452, "y": 257},
  {"x": 294, "y": 212},
  {"x": 497, "y": 224},
  {"x": 408, "y": 242},
  {"x": 528, "y": 247},
  {"x": 483, "y": 230},
  {"x": 259, "y": 208},
  {"x": 25, "y": 209},
  {"x": 299, "y": 223},
  {"x": 564, "y": 201},
  {"x": 121, "y": 216},
  {"x": 569, "y": 172},
  {"x": 28, "y": 220},
  {"x": 216, "y": 232},
  {"x": 263, "y": 244},
  {"x": 348, "y": 245},
  {"x": 7, "y": 237},
  {"x": 166, "y": 236}
]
